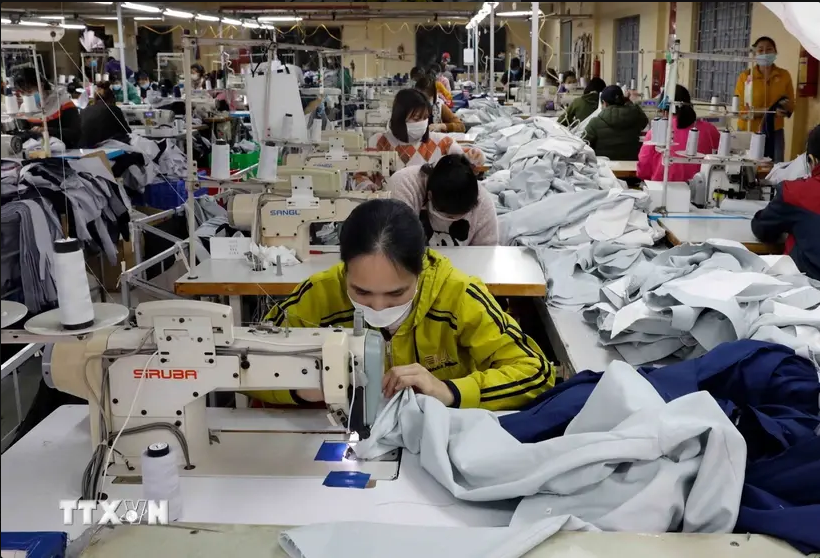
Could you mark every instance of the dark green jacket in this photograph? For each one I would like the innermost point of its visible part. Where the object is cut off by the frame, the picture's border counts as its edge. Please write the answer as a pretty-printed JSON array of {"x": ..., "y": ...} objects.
[
  {"x": 580, "y": 109},
  {"x": 616, "y": 132}
]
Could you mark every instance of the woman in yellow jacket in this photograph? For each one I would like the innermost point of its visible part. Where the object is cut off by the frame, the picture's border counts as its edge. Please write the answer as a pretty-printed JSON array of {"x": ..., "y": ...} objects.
[
  {"x": 771, "y": 87},
  {"x": 446, "y": 335}
]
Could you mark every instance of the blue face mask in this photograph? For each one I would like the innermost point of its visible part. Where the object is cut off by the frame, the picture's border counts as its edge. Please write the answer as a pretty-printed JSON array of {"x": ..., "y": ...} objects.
[
  {"x": 765, "y": 59},
  {"x": 37, "y": 99},
  {"x": 144, "y": 85},
  {"x": 116, "y": 87},
  {"x": 93, "y": 63}
]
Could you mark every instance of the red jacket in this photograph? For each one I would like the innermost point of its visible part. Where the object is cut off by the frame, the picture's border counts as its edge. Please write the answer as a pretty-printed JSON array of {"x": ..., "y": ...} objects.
[{"x": 795, "y": 212}]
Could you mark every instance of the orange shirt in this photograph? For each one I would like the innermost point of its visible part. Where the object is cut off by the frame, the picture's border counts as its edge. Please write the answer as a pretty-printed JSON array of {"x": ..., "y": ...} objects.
[{"x": 765, "y": 93}]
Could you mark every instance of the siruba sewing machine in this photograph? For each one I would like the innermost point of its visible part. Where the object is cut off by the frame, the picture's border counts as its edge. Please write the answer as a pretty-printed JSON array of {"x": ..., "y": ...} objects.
[
  {"x": 181, "y": 351},
  {"x": 283, "y": 214}
]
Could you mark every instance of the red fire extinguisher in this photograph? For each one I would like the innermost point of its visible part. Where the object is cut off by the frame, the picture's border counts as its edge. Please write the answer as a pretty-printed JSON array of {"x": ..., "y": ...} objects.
[{"x": 596, "y": 67}]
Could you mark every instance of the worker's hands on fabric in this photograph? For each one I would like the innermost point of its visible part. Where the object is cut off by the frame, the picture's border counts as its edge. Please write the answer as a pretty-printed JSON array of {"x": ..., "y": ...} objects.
[
  {"x": 438, "y": 127},
  {"x": 420, "y": 379}
]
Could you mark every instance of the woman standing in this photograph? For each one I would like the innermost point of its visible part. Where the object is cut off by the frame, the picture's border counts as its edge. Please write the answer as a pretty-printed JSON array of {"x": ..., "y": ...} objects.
[{"x": 771, "y": 91}]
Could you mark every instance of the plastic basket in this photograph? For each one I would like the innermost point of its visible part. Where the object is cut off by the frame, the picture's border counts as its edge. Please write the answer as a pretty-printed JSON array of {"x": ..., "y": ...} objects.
[{"x": 168, "y": 195}]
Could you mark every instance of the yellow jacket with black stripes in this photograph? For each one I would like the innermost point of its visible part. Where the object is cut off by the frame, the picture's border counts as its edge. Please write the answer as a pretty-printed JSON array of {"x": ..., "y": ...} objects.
[{"x": 456, "y": 330}]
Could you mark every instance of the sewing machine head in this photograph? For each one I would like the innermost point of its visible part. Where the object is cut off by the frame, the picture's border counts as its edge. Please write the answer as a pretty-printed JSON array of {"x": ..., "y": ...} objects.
[
  {"x": 283, "y": 215},
  {"x": 148, "y": 116},
  {"x": 182, "y": 350}
]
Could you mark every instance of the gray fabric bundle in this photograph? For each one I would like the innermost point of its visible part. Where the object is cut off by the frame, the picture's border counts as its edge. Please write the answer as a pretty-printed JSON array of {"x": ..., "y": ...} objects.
[
  {"x": 37, "y": 232},
  {"x": 684, "y": 301},
  {"x": 628, "y": 461}
]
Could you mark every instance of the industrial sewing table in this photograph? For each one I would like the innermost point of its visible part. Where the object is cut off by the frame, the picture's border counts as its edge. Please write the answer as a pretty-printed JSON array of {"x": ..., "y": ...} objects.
[
  {"x": 699, "y": 225},
  {"x": 47, "y": 466},
  {"x": 506, "y": 270},
  {"x": 629, "y": 169}
]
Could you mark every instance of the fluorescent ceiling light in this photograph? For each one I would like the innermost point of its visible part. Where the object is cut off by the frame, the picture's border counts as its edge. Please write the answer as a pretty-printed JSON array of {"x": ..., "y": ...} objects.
[
  {"x": 106, "y": 3},
  {"x": 34, "y": 23},
  {"x": 206, "y": 17},
  {"x": 4, "y": 21},
  {"x": 518, "y": 14},
  {"x": 141, "y": 7},
  {"x": 174, "y": 13},
  {"x": 146, "y": 18},
  {"x": 250, "y": 25},
  {"x": 109, "y": 18},
  {"x": 230, "y": 21},
  {"x": 55, "y": 17},
  {"x": 279, "y": 18},
  {"x": 72, "y": 26}
]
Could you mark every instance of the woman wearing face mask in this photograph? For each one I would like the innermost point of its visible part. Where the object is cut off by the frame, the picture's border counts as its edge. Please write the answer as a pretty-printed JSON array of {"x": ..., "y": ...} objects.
[
  {"x": 444, "y": 119},
  {"x": 409, "y": 136},
  {"x": 772, "y": 90},
  {"x": 198, "y": 76},
  {"x": 795, "y": 212},
  {"x": 144, "y": 84},
  {"x": 122, "y": 88},
  {"x": 446, "y": 335},
  {"x": 61, "y": 115},
  {"x": 453, "y": 208}
]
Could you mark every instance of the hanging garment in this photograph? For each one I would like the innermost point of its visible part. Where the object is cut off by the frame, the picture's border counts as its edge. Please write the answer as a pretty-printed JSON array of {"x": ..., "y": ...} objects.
[
  {"x": 769, "y": 393},
  {"x": 627, "y": 462}
]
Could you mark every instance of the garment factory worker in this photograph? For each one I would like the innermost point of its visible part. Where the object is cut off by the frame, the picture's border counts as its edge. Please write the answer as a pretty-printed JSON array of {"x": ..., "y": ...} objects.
[
  {"x": 415, "y": 73},
  {"x": 570, "y": 79},
  {"x": 650, "y": 161},
  {"x": 616, "y": 131},
  {"x": 443, "y": 119},
  {"x": 197, "y": 76},
  {"x": 124, "y": 90},
  {"x": 772, "y": 90},
  {"x": 795, "y": 212},
  {"x": 580, "y": 109},
  {"x": 112, "y": 66},
  {"x": 103, "y": 120},
  {"x": 447, "y": 69},
  {"x": 516, "y": 73},
  {"x": 61, "y": 114},
  {"x": 453, "y": 208},
  {"x": 446, "y": 335},
  {"x": 144, "y": 84},
  {"x": 442, "y": 85},
  {"x": 409, "y": 136}
]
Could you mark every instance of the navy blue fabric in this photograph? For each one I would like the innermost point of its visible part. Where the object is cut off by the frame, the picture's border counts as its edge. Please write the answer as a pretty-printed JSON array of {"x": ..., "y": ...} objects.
[
  {"x": 773, "y": 397},
  {"x": 43, "y": 544}
]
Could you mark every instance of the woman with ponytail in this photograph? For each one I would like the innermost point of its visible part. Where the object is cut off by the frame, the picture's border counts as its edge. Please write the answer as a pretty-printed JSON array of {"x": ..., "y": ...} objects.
[{"x": 650, "y": 160}]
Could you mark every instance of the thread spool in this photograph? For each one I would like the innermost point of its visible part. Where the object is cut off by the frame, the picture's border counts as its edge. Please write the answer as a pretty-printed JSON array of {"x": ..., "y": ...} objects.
[
  {"x": 287, "y": 126},
  {"x": 73, "y": 294},
  {"x": 11, "y": 104},
  {"x": 207, "y": 85},
  {"x": 268, "y": 161},
  {"x": 632, "y": 84},
  {"x": 735, "y": 104},
  {"x": 371, "y": 93},
  {"x": 98, "y": 77},
  {"x": 105, "y": 77},
  {"x": 29, "y": 104},
  {"x": 757, "y": 147},
  {"x": 660, "y": 139},
  {"x": 692, "y": 143},
  {"x": 725, "y": 143},
  {"x": 61, "y": 79},
  {"x": 713, "y": 104},
  {"x": 561, "y": 78},
  {"x": 583, "y": 83},
  {"x": 625, "y": 89},
  {"x": 542, "y": 81},
  {"x": 220, "y": 160},
  {"x": 160, "y": 478},
  {"x": 71, "y": 77},
  {"x": 316, "y": 131}
]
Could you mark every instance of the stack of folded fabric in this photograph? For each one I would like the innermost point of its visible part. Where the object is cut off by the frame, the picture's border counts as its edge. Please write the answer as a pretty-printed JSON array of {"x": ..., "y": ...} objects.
[
  {"x": 484, "y": 111},
  {"x": 684, "y": 301}
]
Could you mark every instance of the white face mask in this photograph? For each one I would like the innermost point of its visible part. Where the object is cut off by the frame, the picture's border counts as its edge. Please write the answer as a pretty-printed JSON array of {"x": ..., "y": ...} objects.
[
  {"x": 441, "y": 216},
  {"x": 389, "y": 317},
  {"x": 416, "y": 130}
]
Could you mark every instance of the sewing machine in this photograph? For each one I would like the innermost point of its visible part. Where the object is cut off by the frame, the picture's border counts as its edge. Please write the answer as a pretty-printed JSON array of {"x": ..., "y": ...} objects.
[
  {"x": 196, "y": 350},
  {"x": 370, "y": 162},
  {"x": 373, "y": 117},
  {"x": 12, "y": 145},
  {"x": 351, "y": 140},
  {"x": 282, "y": 217},
  {"x": 149, "y": 117},
  {"x": 733, "y": 177}
]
